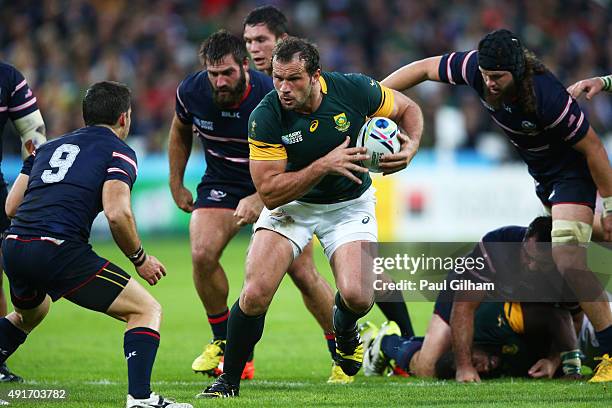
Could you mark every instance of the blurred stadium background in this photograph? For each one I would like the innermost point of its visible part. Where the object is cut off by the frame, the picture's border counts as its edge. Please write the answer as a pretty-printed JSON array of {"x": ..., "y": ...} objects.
[{"x": 465, "y": 179}]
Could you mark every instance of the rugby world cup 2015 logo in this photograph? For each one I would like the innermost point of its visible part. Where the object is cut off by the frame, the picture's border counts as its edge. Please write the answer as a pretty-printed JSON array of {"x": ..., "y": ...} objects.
[{"x": 342, "y": 122}]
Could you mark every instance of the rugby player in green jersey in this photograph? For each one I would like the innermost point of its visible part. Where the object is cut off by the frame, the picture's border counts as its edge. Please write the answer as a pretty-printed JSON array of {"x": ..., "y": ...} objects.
[
  {"x": 263, "y": 27},
  {"x": 311, "y": 181}
]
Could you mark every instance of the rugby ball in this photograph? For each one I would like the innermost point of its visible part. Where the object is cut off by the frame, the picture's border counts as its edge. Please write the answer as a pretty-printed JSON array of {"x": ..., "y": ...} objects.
[{"x": 379, "y": 136}]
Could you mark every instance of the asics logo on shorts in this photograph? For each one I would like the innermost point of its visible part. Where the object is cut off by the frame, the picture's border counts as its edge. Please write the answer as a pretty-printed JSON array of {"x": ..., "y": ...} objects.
[
  {"x": 365, "y": 220},
  {"x": 217, "y": 195}
]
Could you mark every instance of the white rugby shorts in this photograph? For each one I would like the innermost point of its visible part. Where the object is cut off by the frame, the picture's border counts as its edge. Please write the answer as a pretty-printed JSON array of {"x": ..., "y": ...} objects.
[{"x": 334, "y": 224}]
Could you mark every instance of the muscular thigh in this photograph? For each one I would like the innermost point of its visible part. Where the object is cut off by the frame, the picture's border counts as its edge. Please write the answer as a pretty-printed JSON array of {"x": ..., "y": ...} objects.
[
  {"x": 352, "y": 266},
  {"x": 210, "y": 229}
]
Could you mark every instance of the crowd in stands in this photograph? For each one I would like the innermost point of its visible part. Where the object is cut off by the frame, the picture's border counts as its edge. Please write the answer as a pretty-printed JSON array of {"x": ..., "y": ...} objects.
[{"x": 61, "y": 46}]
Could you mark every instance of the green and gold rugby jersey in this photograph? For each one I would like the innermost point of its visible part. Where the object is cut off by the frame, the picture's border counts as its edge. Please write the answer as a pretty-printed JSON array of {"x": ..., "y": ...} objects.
[{"x": 278, "y": 134}]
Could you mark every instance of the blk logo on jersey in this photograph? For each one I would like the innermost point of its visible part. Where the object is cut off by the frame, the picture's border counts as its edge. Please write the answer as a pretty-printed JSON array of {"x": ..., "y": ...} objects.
[
  {"x": 314, "y": 125},
  {"x": 231, "y": 115},
  {"x": 527, "y": 125},
  {"x": 342, "y": 123},
  {"x": 293, "y": 137},
  {"x": 217, "y": 195},
  {"x": 204, "y": 124}
]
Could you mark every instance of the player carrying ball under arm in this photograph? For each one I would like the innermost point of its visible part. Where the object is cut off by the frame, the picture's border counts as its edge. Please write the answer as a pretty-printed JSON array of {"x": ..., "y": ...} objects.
[
  {"x": 311, "y": 183},
  {"x": 262, "y": 29},
  {"x": 46, "y": 253},
  {"x": 563, "y": 154}
]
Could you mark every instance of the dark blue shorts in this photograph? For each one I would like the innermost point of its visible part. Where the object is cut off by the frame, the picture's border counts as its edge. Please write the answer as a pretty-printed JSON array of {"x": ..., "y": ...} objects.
[
  {"x": 568, "y": 191},
  {"x": 214, "y": 194},
  {"x": 38, "y": 266}
]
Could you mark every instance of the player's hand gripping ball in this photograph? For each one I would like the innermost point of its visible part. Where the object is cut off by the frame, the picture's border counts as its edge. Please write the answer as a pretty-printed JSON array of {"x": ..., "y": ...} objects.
[{"x": 379, "y": 136}]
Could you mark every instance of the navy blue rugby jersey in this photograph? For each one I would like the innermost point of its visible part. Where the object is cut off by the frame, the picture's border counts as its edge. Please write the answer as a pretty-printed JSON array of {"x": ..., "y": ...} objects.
[
  {"x": 16, "y": 97},
  {"x": 544, "y": 139},
  {"x": 223, "y": 132},
  {"x": 64, "y": 193}
]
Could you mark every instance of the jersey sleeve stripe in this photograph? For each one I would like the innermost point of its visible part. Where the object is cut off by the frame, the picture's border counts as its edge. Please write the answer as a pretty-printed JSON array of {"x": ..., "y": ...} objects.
[
  {"x": 578, "y": 125},
  {"x": 24, "y": 105},
  {"x": 266, "y": 151},
  {"x": 219, "y": 139},
  {"x": 19, "y": 86},
  {"x": 228, "y": 158},
  {"x": 449, "y": 71},
  {"x": 464, "y": 65},
  {"x": 386, "y": 103},
  {"x": 116, "y": 170},
  {"x": 127, "y": 159},
  {"x": 263, "y": 144},
  {"x": 562, "y": 115}
]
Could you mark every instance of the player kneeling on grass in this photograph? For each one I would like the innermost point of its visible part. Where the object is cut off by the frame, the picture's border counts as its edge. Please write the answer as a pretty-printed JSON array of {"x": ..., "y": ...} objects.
[
  {"x": 46, "y": 254},
  {"x": 522, "y": 333}
]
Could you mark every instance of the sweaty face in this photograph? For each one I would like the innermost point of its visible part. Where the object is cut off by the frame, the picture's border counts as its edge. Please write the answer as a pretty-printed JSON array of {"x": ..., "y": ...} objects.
[
  {"x": 228, "y": 81},
  {"x": 536, "y": 256},
  {"x": 260, "y": 42},
  {"x": 292, "y": 83},
  {"x": 497, "y": 82}
]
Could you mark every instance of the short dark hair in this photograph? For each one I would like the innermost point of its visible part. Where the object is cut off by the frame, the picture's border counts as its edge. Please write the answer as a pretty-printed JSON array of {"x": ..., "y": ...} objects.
[
  {"x": 287, "y": 48},
  {"x": 540, "y": 228},
  {"x": 104, "y": 102},
  {"x": 220, "y": 44},
  {"x": 271, "y": 17}
]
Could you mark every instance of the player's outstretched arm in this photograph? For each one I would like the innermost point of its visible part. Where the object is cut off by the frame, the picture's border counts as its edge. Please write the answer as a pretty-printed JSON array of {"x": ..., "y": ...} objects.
[
  {"x": 179, "y": 149},
  {"x": 410, "y": 118},
  {"x": 15, "y": 196},
  {"x": 599, "y": 166},
  {"x": 590, "y": 87},
  {"x": 462, "y": 333},
  {"x": 118, "y": 211},
  {"x": 277, "y": 187},
  {"x": 413, "y": 74}
]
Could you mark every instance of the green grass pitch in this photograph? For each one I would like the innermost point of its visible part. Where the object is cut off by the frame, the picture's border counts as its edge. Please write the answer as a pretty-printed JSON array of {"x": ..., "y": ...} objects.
[{"x": 81, "y": 352}]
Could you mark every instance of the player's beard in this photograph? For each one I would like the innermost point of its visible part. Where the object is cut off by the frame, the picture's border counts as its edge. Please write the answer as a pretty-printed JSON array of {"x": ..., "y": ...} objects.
[
  {"x": 232, "y": 96},
  {"x": 300, "y": 104}
]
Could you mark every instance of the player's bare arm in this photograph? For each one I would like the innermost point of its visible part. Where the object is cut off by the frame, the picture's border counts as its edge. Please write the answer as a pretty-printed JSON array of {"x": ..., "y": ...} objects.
[
  {"x": 462, "y": 332},
  {"x": 410, "y": 118},
  {"x": 413, "y": 74},
  {"x": 277, "y": 186},
  {"x": 590, "y": 87},
  {"x": 599, "y": 165},
  {"x": 118, "y": 211},
  {"x": 179, "y": 150},
  {"x": 15, "y": 196}
]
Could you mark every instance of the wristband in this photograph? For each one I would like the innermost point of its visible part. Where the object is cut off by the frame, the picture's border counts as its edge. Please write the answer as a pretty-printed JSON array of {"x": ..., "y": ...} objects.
[
  {"x": 607, "y": 82},
  {"x": 607, "y": 206},
  {"x": 139, "y": 263},
  {"x": 136, "y": 255}
]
